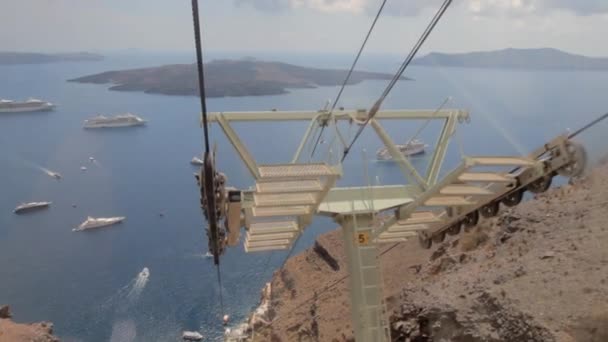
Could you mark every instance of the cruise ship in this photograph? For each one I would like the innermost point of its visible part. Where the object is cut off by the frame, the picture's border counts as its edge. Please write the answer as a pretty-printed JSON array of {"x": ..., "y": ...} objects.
[
  {"x": 121, "y": 120},
  {"x": 92, "y": 222},
  {"x": 411, "y": 148},
  {"x": 30, "y": 105},
  {"x": 31, "y": 206}
]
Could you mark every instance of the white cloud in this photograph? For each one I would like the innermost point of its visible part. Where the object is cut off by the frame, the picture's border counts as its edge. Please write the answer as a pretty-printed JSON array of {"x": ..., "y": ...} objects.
[{"x": 413, "y": 7}]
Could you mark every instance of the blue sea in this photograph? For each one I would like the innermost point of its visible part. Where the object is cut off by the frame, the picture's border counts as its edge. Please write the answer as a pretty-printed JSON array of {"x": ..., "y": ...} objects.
[{"x": 87, "y": 283}]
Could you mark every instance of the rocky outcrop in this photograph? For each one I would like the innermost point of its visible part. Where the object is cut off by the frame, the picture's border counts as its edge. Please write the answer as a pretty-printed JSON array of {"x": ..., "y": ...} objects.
[{"x": 18, "y": 332}]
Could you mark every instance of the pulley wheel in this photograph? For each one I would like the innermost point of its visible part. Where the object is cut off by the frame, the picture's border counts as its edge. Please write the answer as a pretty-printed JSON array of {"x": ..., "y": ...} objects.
[
  {"x": 439, "y": 237},
  {"x": 490, "y": 209},
  {"x": 540, "y": 185},
  {"x": 454, "y": 229},
  {"x": 424, "y": 240},
  {"x": 470, "y": 220},
  {"x": 579, "y": 156},
  {"x": 513, "y": 198}
]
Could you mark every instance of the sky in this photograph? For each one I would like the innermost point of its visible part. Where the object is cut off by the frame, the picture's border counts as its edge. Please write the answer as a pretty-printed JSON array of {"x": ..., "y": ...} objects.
[{"x": 333, "y": 26}]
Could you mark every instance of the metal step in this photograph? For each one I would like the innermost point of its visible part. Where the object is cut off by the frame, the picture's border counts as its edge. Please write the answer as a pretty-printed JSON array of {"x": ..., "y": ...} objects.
[
  {"x": 446, "y": 201},
  {"x": 502, "y": 161},
  {"x": 485, "y": 177},
  {"x": 267, "y": 243},
  {"x": 390, "y": 240},
  {"x": 420, "y": 217},
  {"x": 305, "y": 185},
  {"x": 387, "y": 235},
  {"x": 282, "y": 200},
  {"x": 296, "y": 210},
  {"x": 466, "y": 190},
  {"x": 264, "y": 249},
  {"x": 273, "y": 227},
  {"x": 282, "y": 171},
  {"x": 407, "y": 227},
  {"x": 267, "y": 237}
]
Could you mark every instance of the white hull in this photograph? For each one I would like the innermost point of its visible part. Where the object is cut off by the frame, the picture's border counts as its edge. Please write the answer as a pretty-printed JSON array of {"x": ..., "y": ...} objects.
[
  {"x": 123, "y": 120},
  {"x": 197, "y": 161},
  {"x": 32, "y": 206},
  {"x": 112, "y": 125},
  {"x": 40, "y": 108},
  {"x": 407, "y": 150},
  {"x": 92, "y": 223}
]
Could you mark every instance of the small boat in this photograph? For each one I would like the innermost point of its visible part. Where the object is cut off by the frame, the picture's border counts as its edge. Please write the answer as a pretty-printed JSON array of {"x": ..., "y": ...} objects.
[
  {"x": 91, "y": 159},
  {"x": 411, "y": 148},
  {"x": 83, "y": 168},
  {"x": 197, "y": 161},
  {"x": 31, "y": 206},
  {"x": 92, "y": 222},
  {"x": 192, "y": 336}
]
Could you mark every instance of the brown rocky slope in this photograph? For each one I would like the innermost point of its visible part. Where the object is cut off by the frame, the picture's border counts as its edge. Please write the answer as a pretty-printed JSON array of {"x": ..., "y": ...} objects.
[
  {"x": 17, "y": 332},
  {"x": 537, "y": 272}
]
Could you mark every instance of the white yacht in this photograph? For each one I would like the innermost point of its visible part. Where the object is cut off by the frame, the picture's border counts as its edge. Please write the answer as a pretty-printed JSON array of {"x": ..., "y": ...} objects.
[
  {"x": 197, "y": 161},
  {"x": 192, "y": 336},
  {"x": 30, "y": 105},
  {"x": 121, "y": 120},
  {"x": 411, "y": 148},
  {"x": 31, "y": 206},
  {"x": 92, "y": 222}
]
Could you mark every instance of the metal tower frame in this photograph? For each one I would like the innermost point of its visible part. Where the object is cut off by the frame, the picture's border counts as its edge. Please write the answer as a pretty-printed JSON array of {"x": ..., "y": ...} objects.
[{"x": 287, "y": 196}]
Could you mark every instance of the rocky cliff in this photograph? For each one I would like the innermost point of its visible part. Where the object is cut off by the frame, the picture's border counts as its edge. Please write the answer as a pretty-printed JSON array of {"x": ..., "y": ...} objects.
[
  {"x": 537, "y": 272},
  {"x": 20, "y": 332}
]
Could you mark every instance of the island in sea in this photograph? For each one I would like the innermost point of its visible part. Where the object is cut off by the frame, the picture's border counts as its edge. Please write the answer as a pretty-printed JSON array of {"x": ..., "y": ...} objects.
[
  {"x": 13, "y": 58},
  {"x": 227, "y": 78},
  {"x": 543, "y": 58}
]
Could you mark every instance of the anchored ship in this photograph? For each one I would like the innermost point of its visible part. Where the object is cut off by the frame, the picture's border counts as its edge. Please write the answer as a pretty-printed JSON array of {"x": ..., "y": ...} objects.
[
  {"x": 197, "y": 161},
  {"x": 31, "y": 206},
  {"x": 30, "y": 105},
  {"x": 411, "y": 148},
  {"x": 92, "y": 222},
  {"x": 121, "y": 120}
]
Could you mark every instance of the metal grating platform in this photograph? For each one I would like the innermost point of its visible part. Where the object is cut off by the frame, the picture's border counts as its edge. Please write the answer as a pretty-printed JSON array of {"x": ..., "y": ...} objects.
[
  {"x": 306, "y": 185},
  {"x": 469, "y": 190},
  {"x": 420, "y": 217},
  {"x": 264, "y": 249},
  {"x": 287, "y": 199},
  {"x": 295, "y": 171},
  {"x": 502, "y": 161},
  {"x": 273, "y": 227},
  {"x": 446, "y": 201},
  {"x": 485, "y": 177},
  {"x": 296, "y": 210}
]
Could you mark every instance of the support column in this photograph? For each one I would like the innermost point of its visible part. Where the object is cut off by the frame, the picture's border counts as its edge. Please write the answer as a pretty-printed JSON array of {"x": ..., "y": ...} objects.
[{"x": 368, "y": 311}]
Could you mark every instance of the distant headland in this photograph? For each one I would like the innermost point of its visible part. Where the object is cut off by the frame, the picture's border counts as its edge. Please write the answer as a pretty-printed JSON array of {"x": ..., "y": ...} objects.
[
  {"x": 544, "y": 58},
  {"x": 244, "y": 77},
  {"x": 13, "y": 58}
]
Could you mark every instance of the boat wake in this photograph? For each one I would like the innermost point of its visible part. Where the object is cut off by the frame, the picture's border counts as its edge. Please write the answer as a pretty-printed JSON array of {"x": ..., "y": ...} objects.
[
  {"x": 123, "y": 331},
  {"x": 124, "y": 299},
  {"x": 139, "y": 284}
]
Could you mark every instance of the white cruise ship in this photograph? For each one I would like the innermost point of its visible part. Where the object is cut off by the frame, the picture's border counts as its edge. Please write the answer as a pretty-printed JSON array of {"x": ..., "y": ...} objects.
[
  {"x": 411, "y": 148},
  {"x": 121, "y": 120},
  {"x": 30, "y": 105},
  {"x": 31, "y": 206},
  {"x": 92, "y": 222}
]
